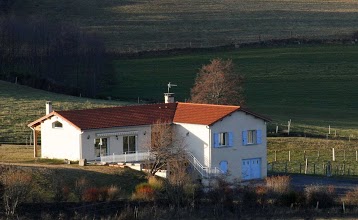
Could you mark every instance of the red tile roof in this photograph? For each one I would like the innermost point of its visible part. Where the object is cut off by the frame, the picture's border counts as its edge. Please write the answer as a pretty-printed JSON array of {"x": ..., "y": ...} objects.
[
  {"x": 115, "y": 116},
  {"x": 204, "y": 114}
]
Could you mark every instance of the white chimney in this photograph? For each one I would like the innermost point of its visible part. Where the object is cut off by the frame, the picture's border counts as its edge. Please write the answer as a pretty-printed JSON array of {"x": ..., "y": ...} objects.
[
  {"x": 48, "y": 107},
  {"x": 169, "y": 97}
]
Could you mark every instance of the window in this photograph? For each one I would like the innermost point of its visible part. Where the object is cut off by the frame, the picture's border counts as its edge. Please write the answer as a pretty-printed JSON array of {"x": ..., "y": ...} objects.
[
  {"x": 100, "y": 147},
  {"x": 251, "y": 137},
  {"x": 56, "y": 124},
  {"x": 129, "y": 144},
  {"x": 223, "y": 139}
]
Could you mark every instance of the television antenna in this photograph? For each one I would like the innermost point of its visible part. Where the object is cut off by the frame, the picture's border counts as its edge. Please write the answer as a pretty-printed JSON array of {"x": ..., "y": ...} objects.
[{"x": 170, "y": 85}]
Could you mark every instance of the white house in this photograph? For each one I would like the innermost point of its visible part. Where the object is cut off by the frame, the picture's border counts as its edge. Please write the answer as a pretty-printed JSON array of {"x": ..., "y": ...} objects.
[{"x": 219, "y": 138}]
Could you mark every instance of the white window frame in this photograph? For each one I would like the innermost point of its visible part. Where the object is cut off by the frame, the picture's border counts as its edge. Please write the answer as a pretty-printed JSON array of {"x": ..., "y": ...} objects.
[
  {"x": 55, "y": 123},
  {"x": 223, "y": 139},
  {"x": 251, "y": 137}
]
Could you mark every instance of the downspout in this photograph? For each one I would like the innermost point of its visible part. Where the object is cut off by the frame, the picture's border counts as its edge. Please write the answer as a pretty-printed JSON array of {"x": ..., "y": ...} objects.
[
  {"x": 208, "y": 127},
  {"x": 80, "y": 137}
]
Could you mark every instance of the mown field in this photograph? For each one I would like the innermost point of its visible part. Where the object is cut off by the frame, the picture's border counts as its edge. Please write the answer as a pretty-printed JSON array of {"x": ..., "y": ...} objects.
[
  {"x": 315, "y": 86},
  {"x": 141, "y": 24},
  {"x": 20, "y": 105}
]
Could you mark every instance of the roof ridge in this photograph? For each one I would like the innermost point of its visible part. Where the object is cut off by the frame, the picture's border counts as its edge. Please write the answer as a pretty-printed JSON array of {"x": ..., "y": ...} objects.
[
  {"x": 112, "y": 107},
  {"x": 214, "y": 105}
]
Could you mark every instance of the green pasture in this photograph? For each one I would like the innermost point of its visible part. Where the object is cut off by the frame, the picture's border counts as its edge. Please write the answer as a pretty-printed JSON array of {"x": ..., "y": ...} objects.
[
  {"x": 157, "y": 24},
  {"x": 315, "y": 86},
  {"x": 20, "y": 105},
  {"x": 290, "y": 154}
]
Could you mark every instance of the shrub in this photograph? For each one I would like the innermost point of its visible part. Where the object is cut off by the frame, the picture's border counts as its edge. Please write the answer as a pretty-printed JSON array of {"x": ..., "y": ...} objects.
[
  {"x": 278, "y": 184},
  {"x": 17, "y": 185},
  {"x": 113, "y": 192},
  {"x": 322, "y": 195},
  {"x": 291, "y": 197},
  {"x": 156, "y": 183},
  {"x": 81, "y": 185},
  {"x": 351, "y": 197},
  {"x": 144, "y": 191},
  {"x": 91, "y": 195},
  {"x": 248, "y": 197}
]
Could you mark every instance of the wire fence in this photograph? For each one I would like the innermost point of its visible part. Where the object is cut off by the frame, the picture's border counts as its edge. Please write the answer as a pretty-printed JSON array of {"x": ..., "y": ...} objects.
[{"x": 317, "y": 162}]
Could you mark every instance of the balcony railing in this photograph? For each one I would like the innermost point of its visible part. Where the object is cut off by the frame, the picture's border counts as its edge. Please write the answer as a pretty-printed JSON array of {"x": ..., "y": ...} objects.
[{"x": 126, "y": 157}]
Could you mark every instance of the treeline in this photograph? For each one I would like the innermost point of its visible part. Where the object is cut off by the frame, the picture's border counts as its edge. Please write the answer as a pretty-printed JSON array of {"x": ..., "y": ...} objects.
[{"x": 55, "y": 57}]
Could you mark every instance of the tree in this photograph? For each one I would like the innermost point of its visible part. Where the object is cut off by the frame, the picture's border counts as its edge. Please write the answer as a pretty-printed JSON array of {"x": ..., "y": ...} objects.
[
  {"x": 218, "y": 83},
  {"x": 165, "y": 148}
]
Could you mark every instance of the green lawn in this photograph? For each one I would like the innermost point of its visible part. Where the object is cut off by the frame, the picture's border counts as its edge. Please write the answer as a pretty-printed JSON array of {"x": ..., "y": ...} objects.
[
  {"x": 137, "y": 24},
  {"x": 20, "y": 105},
  {"x": 314, "y": 86}
]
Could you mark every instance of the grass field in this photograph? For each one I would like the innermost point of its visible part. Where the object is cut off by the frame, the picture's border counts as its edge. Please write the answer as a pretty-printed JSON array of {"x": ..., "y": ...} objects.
[
  {"x": 141, "y": 24},
  {"x": 20, "y": 105},
  {"x": 317, "y": 151},
  {"x": 47, "y": 173},
  {"x": 315, "y": 86}
]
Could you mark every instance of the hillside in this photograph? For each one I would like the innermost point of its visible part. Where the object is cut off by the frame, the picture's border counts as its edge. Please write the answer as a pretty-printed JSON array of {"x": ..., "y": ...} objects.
[
  {"x": 315, "y": 86},
  {"x": 20, "y": 105},
  {"x": 141, "y": 24}
]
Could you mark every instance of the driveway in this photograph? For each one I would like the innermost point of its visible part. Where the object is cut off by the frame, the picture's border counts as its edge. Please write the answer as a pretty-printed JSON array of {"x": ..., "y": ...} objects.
[{"x": 341, "y": 184}]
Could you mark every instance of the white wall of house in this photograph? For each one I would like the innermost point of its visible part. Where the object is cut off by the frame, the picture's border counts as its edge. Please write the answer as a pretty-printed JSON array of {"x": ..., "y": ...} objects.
[
  {"x": 236, "y": 123},
  {"x": 196, "y": 139},
  {"x": 61, "y": 143},
  {"x": 115, "y": 139}
]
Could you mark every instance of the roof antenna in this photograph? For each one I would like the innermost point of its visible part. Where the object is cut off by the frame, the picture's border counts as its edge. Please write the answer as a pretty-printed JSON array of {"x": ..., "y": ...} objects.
[
  {"x": 169, "y": 97},
  {"x": 170, "y": 86}
]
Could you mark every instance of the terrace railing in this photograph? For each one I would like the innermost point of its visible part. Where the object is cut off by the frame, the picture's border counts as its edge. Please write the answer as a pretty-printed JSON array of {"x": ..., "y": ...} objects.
[{"x": 126, "y": 157}]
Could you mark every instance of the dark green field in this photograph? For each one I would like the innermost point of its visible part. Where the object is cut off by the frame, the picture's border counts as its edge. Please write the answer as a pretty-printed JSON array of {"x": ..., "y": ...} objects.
[
  {"x": 312, "y": 85},
  {"x": 142, "y": 24}
]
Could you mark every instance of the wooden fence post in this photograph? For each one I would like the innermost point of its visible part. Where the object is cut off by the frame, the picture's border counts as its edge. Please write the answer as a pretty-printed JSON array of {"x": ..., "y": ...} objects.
[
  {"x": 344, "y": 155},
  {"x": 289, "y": 156},
  {"x": 333, "y": 155},
  {"x": 275, "y": 155},
  {"x": 314, "y": 168},
  {"x": 306, "y": 166}
]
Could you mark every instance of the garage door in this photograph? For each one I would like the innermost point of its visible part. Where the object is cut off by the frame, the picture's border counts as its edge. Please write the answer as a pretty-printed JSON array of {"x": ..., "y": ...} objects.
[{"x": 251, "y": 169}]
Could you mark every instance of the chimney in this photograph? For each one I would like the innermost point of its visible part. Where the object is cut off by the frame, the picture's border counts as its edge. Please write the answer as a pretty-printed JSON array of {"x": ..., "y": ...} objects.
[
  {"x": 169, "y": 97},
  {"x": 48, "y": 107}
]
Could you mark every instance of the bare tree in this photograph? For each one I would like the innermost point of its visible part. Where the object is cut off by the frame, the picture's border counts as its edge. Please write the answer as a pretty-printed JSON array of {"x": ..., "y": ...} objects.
[
  {"x": 165, "y": 148},
  {"x": 218, "y": 83},
  {"x": 16, "y": 188}
]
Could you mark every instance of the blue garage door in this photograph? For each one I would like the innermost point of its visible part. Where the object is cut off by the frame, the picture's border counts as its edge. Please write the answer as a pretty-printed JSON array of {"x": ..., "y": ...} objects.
[{"x": 251, "y": 169}]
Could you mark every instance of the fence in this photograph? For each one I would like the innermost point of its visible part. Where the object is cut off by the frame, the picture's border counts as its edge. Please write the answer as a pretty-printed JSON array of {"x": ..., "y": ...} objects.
[{"x": 316, "y": 162}]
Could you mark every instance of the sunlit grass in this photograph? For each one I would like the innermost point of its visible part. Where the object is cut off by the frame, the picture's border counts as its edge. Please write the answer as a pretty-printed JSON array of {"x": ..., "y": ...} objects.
[{"x": 20, "y": 105}]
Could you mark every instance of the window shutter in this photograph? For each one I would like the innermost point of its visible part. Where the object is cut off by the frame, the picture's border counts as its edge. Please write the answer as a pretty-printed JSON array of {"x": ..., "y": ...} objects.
[
  {"x": 231, "y": 142},
  {"x": 244, "y": 138},
  {"x": 223, "y": 166},
  {"x": 216, "y": 140},
  {"x": 259, "y": 137}
]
